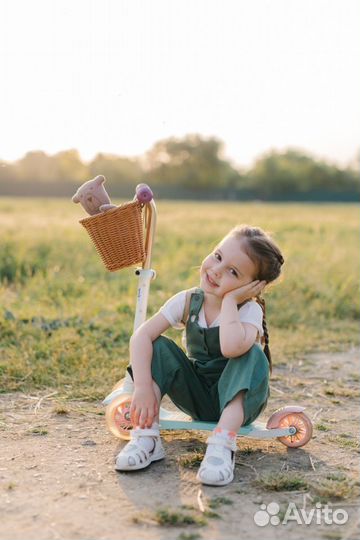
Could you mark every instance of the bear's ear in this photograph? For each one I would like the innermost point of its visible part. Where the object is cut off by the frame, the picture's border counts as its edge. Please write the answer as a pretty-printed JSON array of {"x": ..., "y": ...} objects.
[
  {"x": 99, "y": 180},
  {"x": 75, "y": 198}
]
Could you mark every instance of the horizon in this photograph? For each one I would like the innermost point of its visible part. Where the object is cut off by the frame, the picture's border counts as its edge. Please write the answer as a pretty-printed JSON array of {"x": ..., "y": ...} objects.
[{"x": 353, "y": 164}]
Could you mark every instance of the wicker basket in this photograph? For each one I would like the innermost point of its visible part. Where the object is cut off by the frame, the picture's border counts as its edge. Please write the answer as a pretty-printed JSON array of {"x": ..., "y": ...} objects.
[{"x": 118, "y": 235}]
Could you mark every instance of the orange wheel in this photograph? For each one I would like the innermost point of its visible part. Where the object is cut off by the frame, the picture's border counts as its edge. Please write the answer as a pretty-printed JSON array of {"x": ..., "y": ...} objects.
[
  {"x": 303, "y": 425},
  {"x": 117, "y": 416}
]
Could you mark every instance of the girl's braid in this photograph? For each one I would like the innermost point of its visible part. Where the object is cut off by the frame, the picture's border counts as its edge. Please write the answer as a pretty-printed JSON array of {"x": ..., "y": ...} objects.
[{"x": 265, "y": 338}]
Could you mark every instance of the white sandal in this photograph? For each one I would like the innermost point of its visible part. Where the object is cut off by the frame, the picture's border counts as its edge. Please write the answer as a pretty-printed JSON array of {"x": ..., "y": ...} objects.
[
  {"x": 217, "y": 467},
  {"x": 134, "y": 456}
]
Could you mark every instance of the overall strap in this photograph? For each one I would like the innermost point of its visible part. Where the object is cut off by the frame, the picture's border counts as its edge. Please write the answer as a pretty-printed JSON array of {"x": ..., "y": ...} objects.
[{"x": 189, "y": 293}]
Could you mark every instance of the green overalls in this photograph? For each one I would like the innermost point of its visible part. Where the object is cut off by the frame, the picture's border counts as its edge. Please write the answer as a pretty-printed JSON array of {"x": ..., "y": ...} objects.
[{"x": 204, "y": 382}]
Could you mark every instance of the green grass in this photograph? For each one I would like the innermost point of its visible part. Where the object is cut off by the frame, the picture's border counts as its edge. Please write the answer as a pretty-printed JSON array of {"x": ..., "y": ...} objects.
[
  {"x": 282, "y": 482},
  {"x": 189, "y": 536},
  {"x": 344, "y": 442},
  {"x": 322, "y": 427},
  {"x": 171, "y": 518},
  {"x": 65, "y": 321},
  {"x": 38, "y": 431},
  {"x": 216, "y": 502},
  {"x": 191, "y": 461},
  {"x": 332, "y": 486}
]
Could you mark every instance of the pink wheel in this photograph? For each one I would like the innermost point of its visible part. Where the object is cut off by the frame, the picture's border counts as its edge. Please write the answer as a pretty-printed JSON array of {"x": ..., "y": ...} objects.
[
  {"x": 117, "y": 416},
  {"x": 303, "y": 425}
]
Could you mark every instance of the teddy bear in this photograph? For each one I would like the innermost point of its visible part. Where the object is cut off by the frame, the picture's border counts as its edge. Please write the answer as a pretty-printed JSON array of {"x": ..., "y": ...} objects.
[{"x": 93, "y": 196}]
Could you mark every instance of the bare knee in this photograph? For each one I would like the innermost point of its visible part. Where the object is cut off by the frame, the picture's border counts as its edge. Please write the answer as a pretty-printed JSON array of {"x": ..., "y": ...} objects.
[
  {"x": 237, "y": 400},
  {"x": 239, "y": 397}
]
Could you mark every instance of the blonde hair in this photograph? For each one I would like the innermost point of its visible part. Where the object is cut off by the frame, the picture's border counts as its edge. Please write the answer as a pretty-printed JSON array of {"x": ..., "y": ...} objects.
[{"x": 268, "y": 260}]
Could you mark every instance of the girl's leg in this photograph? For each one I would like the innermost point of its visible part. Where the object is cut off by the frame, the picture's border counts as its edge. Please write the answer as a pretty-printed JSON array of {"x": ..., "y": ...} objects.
[
  {"x": 176, "y": 376},
  {"x": 217, "y": 467},
  {"x": 232, "y": 417},
  {"x": 158, "y": 396},
  {"x": 247, "y": 375},
  {"x": 250, "y": 371}
]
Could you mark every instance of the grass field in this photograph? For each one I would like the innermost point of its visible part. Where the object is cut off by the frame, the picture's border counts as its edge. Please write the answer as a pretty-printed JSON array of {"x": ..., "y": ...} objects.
[{"x": 65, "y": 321}]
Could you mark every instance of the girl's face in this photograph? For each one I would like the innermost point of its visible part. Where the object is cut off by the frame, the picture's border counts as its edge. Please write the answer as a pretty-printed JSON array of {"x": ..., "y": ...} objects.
[{"x": 228, "y": 267}]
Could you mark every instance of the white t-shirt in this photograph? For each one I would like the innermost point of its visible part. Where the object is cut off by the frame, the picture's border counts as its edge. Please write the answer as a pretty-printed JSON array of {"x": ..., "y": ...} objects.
[{"x": 173, "y": 311}]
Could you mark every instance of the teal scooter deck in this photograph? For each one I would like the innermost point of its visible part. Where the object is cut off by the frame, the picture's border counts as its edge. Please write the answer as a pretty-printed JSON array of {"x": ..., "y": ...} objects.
[{"x": 256, "y": 430}]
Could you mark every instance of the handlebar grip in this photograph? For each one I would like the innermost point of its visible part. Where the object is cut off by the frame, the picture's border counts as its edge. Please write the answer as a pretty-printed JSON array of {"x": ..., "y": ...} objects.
[{"x": 143, "y": 193}]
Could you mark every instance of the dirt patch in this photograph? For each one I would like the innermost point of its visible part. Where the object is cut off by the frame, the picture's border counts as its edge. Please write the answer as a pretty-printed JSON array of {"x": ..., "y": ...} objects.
[{"x": 58, "y": 480}]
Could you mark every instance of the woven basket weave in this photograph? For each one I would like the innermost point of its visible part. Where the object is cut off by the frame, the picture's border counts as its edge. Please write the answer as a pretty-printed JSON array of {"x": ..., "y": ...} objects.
[{"x": 118, "y": 235}]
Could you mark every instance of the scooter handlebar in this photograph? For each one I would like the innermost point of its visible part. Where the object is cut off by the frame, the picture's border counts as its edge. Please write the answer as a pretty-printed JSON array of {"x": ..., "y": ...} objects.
[{"x": 143, "y": 193}]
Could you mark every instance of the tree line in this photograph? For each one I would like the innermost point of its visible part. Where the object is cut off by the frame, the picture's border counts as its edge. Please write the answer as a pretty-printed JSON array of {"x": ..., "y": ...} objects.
[{"x": 192, "y": 167}]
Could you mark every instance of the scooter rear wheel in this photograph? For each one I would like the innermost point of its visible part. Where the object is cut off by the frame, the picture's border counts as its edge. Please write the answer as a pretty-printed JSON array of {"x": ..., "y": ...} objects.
[{"x": 117, "y": 416}]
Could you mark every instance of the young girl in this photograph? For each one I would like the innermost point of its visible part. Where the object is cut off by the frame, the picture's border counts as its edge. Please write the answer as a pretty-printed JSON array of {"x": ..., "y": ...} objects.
[{"x": 224, "y": 377}]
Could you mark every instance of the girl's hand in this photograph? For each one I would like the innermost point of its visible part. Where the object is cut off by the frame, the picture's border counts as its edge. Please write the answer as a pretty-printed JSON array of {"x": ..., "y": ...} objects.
[
  {"x": 144, "y": 406},
  {"x": 246, "y": 291}
]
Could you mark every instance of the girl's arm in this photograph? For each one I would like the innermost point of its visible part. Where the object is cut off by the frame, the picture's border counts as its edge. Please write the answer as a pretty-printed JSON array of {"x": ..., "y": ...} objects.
[
  {"x": 144, "y": 405},
  {"x": 236, "y": 338},
  {"x": 141, "y": 348}
]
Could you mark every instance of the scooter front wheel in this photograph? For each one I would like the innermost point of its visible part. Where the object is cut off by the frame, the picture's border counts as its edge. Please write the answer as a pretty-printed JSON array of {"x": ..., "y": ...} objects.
[
  {"x": 303, "y": 426},
  {"x": 117, "y": 415}
]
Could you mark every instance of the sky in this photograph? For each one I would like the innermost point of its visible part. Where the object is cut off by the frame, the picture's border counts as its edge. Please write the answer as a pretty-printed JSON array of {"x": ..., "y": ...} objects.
[{"x": 116, "y": 76}]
